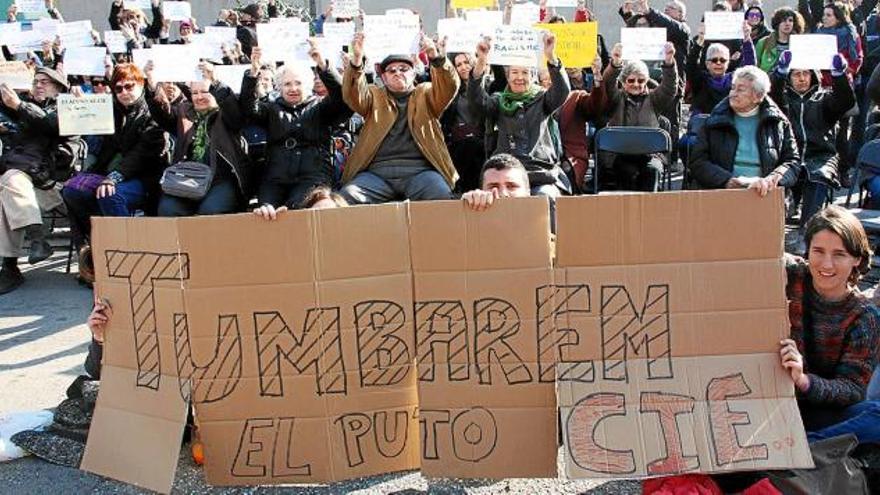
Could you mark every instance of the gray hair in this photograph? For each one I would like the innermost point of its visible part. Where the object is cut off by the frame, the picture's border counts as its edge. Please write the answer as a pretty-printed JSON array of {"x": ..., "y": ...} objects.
[
  {"x": 759, "y": 79},
  {"x": 631, "y": 67},
  {"x": 680, "y": 6},
  {"x": 301, "y": 72},
  {"x": 717, "y": 49}
]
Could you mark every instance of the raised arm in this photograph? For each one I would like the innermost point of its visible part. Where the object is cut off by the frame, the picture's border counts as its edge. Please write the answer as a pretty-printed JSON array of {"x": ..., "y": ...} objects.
[
  {"x": 477, "y": 95},
  {"x": 355, "y": 91}
]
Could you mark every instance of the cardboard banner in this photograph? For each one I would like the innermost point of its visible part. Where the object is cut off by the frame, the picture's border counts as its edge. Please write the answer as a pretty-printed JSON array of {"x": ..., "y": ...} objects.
[
  {"x": 75, "y": 34},
  {"x": 512, "y": 45},
  {"x": 116, "y": 41},
  {"x": 85, "y": 61},
  {"x": 667, "y": 336},
  {"x": 576, "y": 42},
  {"x": 723, "y": 26},
  {"x": 812, "y": 51},
  {"x": 16, "y": 75},
  {"x": 347, "y": 9},
  {"x": 86, "y": 115},
  {"x": 177, "y": 10},
  {"x": 357, "y": 341},
  {"x": 643, "y": 43}
]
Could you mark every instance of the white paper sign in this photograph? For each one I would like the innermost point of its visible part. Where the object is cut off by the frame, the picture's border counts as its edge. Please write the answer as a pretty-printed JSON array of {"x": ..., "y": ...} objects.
[
  {"x": 145, "y": 5},
  {"x": 386, "y": 35},
  {"x": 9, "y": 33},
  {"x": 231, "y": 75},
  {"x": 346, "y": 8},
  {"x": 175, "y": 63},
  {"x": 812, "y": 51},
  {"x": 336, "y": 35},
  {"x": 32, "y": 8},
  {"x": 221, "y": 34},
  {"x": 723, "y": 25},
  {"x": 643, "y": 43},
  {"x": 525, "y": 14},
  {"x": 77, "y": 33},
  {"x": 16, "y": 75},
  {"x": 87, "y": 115},
  {"x": 177, "y": 11},
  {"x": 140, "y": 57},
  {"x": 461, "y": 35},
  {"x": 85, "y": 61},
  {"x": 562, "y": 3},
  {"x": 491, "y": 18},
  {"x": 515, "y": 45},
  {"x": 115, "y": 41},
  {"x": 48, "y": 28},
  {"x": 207, "y": 46},
  {"x": 279, "y": 41},
  {"x": 27, "y": 41}
]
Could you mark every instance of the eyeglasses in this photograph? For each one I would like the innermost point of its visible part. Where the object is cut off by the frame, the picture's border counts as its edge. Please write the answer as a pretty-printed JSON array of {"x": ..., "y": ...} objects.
[
  {"x": 129, "y": 86},
  {"x": 718, "y": 60},
  {"x": 400, "y": 69},
  {"x": 41, "y": 81},
  {"x": 636, "y": 80}
]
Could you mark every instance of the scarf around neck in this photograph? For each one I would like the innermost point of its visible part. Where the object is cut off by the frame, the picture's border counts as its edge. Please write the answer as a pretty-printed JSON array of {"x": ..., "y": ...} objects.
[
  {"x": 511, "y": 102},
  {"x": 200, "y": 140}
]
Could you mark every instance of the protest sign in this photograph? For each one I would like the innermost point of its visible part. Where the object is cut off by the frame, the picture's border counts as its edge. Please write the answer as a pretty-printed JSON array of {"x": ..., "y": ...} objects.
[
  {"x": 115, "y": 41},
  {"x": 663, "y": 346},
  {"x": 486, "y": 18},
  {"x": 140, "y": 57},
  {"x": 668, "y": 328},
  {"x": 812, "y": 51},
  {"x": 231, "y": 75},
  {"x": 472, "y": 4},
  {"x": 221, "y": 34},
  {"x": 176, "y": 11},
  {"x": 562, "y": 3},
  {"x": 337, "y": 35},
  {"x": 145, "y": 5},
  {"x": 9, "y": 33},
  {"x": 175, "y": 63},
  {"x": 576, "y": 42},
  {"x": 16, "y": 75},
  {"x": 512, "y": 45},
  {"x": 280, "y": 41},
  {"x": 207, "y": 47},
  {"x": 32, "y": 8},
  {"x": 85, "y": 61},
  {"x": 461, "y": 35},
  {"x": 395, "y": 34},
  {"x": 86, "y": 115},
  {"x": 26, "y": 41},
  {"x": 347, "y": 9},
  {"x": 77, "y": 33},
  {"x": 723, "y": 25},
  {"x": 525, "y": 14},
  {"x": 643, "y": 43}
]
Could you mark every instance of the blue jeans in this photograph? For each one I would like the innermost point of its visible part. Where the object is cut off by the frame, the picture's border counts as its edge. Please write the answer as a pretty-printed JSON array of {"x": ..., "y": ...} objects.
[
  {"x": 396, "y": 183},
  {"x": 221, "y": 198},
  {"x": 130, "y": 196},
  {"x": 874, "y": 385},
  {"x": 862, "y": 419}
]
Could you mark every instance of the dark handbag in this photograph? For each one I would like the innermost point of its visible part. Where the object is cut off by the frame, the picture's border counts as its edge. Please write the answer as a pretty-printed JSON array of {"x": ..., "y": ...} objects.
[
  {"x": 188, "y": 180},
  {"x": 836, "y": 471}
]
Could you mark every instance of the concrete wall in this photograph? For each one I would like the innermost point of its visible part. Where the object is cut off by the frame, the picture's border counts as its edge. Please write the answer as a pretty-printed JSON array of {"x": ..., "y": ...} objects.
[{"x": 206, "y": 11}]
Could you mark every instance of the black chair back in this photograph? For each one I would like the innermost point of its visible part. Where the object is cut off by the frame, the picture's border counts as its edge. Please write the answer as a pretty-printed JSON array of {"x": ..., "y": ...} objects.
[{"x": 633, "y": 140}]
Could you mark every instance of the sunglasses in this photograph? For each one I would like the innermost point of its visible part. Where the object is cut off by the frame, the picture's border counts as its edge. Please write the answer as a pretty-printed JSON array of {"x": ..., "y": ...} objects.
[
  {"x": 99, "y": 83},
  {"x": 633, "y": 80},
  {"x": 755, "y": 15},
  {"x": 129, "y": 86},
  {"x": 402, "y": 69},
  {"x": 718, "y": 60}
]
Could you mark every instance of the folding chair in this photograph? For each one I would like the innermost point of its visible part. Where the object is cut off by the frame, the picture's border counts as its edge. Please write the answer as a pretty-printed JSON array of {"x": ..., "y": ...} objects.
[
  {"x": 631, "y": 141},
  {"x": 696, "y": 123},
  {"x": 869, "y": 158}
]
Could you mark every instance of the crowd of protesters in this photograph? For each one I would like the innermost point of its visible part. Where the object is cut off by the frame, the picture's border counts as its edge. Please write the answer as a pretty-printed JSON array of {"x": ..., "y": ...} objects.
[{"x": 438, "y": 125}]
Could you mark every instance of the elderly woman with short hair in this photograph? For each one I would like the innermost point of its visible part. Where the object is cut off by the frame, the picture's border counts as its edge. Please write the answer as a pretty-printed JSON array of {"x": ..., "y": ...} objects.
[
  {"x": 747, "y": 140},
  {"x": 632, "y": 102}
]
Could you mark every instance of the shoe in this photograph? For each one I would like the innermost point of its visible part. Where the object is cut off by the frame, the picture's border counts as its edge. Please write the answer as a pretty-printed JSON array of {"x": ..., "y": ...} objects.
[
  {"x": 10, "y": 279},
  {"x": 86, "y": 266},
  {"x": 39, "y": 251}
]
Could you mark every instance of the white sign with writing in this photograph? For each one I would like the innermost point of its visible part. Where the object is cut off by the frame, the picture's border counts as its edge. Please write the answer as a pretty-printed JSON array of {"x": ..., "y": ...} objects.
[
  {"x": 461, "y": 35},
  {"x": 86, "y": 115},
  {"x": 140, "y": 56},
  {"x": 145, "y": 5},
  {"x": 222, "y": 34},
  {"x": 279, "y": 40},
  {"x": 9, "y": 33},
  {"x": 77, "y": 33},
  {"x": 525, "y": 14},
  {"x": 643, "y": 43},
  {"x": 514, "y": 45},
  {"x": 812, "y": 51},
  {"x": 346, "y": 8},
  {"x": 115, "y": 41},
  {"x": 48, "y": 28},
  {"x": 723, "y": 25},
  {"x": 336, "y": 36},
  {"x": 207, "y": 46},
  {"x": 231, "y": 75},
  {"x": 177, "y": 11},
  {"x": 386, "y": 35},
  {"x": 32, "y": 8},
  {"x": 85, "y": 61},
  {"x": 16, "y": 75},
  {"x": 562, "y": 3},
  {"x": 175, "y": 63}
]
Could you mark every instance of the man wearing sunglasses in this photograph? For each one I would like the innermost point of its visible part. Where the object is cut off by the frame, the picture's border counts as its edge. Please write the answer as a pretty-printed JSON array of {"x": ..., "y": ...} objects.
[
  {"x": 401, "y": 153},
  {"x": 36, "y": 160}
]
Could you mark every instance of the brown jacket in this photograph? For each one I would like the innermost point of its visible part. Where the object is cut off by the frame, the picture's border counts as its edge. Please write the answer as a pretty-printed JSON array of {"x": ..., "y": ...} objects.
[{"x": 426, "y": 105}]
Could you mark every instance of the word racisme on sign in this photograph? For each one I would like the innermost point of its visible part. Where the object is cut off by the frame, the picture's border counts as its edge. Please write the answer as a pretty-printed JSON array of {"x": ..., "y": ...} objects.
[{"x": 343, "y": 343}]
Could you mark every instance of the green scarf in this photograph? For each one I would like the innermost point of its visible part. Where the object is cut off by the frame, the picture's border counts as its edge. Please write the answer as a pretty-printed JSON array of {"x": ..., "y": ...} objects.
[
  {"x": 511, "y": 102},
  {"x": 200, "y": 140}
]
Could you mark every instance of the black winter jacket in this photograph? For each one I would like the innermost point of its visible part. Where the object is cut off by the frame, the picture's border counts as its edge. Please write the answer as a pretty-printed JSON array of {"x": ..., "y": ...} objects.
[
  {"x": 139, "y": 141},
  {"x": 712, "y": 158}
]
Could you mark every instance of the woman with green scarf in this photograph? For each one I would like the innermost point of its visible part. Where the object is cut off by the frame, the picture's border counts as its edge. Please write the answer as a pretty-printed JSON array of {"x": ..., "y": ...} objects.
[{"x": 523, "y": 116}]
